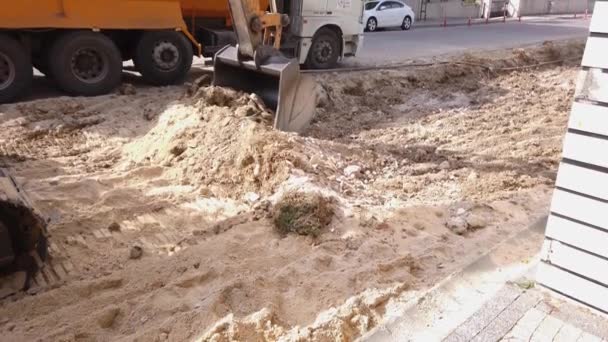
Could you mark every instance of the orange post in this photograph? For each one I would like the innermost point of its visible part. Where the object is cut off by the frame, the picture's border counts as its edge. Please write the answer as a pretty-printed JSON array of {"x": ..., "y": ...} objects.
[{"x": 469, "y": 23}]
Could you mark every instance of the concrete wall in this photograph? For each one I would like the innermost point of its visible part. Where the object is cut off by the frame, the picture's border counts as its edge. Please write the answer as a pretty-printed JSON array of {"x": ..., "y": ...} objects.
[
  {"x": 453, "y": 9},
  {"x": 514, "y": 7},
  {"x": 536, "y": 7}
]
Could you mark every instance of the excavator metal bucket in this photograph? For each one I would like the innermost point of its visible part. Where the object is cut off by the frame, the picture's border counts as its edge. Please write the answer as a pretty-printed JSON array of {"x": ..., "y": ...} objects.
[{"x": 277, "y": 81}]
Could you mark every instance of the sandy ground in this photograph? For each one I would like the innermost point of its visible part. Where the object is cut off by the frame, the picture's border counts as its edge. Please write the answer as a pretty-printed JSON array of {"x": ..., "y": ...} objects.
[{"x": 429, "y": 168}]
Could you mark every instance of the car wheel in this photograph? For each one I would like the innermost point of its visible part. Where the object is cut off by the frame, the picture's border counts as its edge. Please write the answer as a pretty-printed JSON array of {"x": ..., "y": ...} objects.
[
  {"x": 407, "y": 23},
  {"x": 372, "y": 25},
  {"x": 85, "y": 63},
  {"x": 325, "y": 50}
]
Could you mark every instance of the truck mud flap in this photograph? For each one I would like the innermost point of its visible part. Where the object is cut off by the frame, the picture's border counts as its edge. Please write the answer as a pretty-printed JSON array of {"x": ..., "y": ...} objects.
[{"x": 278, "y": 82}]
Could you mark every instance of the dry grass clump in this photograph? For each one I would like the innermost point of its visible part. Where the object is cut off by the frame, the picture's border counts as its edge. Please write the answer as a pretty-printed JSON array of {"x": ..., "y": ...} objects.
[{"x": 303, "y": 213}]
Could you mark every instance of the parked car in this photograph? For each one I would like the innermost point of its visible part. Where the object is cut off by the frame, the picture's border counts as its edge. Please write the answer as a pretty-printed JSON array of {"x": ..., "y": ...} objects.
[{"x": 390, "y": 13}]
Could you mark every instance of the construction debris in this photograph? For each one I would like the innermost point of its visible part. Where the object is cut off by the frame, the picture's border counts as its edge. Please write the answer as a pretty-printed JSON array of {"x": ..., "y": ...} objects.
[
  {"x": 136, "y": 252},
  {"x": 127, "y": 89}
]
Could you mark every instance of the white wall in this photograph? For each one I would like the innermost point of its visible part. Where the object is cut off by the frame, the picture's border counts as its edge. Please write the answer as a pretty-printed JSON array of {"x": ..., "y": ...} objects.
[
  {"x": 458, "y": 9},
  {"x": 536, "y": 7},
  {"x": 532, "y": 7},
  {"x": 452, "y": 9},
  {"x": 574, "y": 258}
]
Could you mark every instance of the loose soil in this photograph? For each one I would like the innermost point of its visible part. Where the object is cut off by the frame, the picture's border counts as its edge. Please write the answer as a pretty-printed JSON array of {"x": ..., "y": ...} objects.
[{"x": 161, "y": 200}]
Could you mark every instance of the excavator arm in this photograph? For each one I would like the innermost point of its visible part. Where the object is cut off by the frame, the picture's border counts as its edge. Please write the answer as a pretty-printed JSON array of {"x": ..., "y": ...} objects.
[
  {"x": 257, "y": 66},
  {"x": 255, "y": 28}
]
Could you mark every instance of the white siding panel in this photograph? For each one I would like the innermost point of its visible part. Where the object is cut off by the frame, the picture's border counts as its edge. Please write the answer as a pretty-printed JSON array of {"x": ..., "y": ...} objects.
[
  {"x": 580, "y": 208},
  {"x": 600, "y": 11},
  {"x": 578, "y": 235},
  {"x": 590, "y": 150},
  {"x": 590, "y": 84},
  {"x": 596, "y": 52},
  {"x": 589, "y": 118},
  {"x": 574, "y": 286},
  {"x": 579, "y": 262},
  {"x": 580, "y": 179}
]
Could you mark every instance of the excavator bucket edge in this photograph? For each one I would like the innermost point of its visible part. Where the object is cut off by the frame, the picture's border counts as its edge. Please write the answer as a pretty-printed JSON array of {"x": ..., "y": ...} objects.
[{"x": 278, "y": 82}]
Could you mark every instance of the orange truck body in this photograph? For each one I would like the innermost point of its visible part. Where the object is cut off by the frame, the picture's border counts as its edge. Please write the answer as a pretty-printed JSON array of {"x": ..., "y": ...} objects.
[
  {"x": 102, "y": 14},
  {"x": 211, "y": 9},
  {"x": 112, "y": 14}
]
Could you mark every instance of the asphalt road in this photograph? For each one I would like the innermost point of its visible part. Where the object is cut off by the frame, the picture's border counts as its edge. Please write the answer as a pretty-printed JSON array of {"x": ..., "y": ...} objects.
[{"x": 396, "y": 45}]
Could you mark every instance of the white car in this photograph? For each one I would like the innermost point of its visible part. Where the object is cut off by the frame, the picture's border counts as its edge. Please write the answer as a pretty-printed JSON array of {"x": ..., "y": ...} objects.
[{"x": 389, "y": 13}]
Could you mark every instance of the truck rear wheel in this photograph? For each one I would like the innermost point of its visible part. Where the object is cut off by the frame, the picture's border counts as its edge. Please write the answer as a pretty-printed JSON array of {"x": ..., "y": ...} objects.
[
  {"x": 16, "y": 71},
  {"x": 85, "y": 63},
  {"x": 163, "y": 57}
]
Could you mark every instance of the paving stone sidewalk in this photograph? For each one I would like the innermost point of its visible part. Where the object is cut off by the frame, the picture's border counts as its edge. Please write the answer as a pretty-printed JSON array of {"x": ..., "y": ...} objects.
[{"x": 519, "y": 314}]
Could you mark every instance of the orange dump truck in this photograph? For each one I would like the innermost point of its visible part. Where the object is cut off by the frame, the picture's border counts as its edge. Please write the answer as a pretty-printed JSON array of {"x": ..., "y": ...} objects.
[{"x": 82, "y": 44}]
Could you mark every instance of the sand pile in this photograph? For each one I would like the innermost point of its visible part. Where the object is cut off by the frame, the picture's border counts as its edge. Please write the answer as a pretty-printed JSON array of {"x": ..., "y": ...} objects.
[
  {"x": 347, "y": 322},
  {"x": 219, "y": 141}
]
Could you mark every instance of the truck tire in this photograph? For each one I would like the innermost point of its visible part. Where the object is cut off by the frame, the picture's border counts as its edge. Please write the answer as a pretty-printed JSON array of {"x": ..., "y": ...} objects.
[
  {"x": 163, "y": 57},
  {"x": 16, "y": 73},
  {"x": 325, "y": 50},
  {"x": 85, "y": 63}
]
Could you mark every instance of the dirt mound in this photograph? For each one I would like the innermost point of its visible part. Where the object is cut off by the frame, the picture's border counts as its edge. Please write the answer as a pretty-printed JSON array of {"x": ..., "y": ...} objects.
[
  {"x": 416, "y": 134},
  {"x": 369, "y": 95},
  {"x": 219, "y": 140},
  {"x": 343, "y": 323}
]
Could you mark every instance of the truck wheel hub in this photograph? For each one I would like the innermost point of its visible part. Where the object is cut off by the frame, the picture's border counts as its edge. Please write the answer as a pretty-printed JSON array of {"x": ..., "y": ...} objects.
[
  {"x": 7, "y": 71},
  {"x": 324, "y": 51},
  {"x": 166, "y": 56},
  {"x": 89, "y": 65}
]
